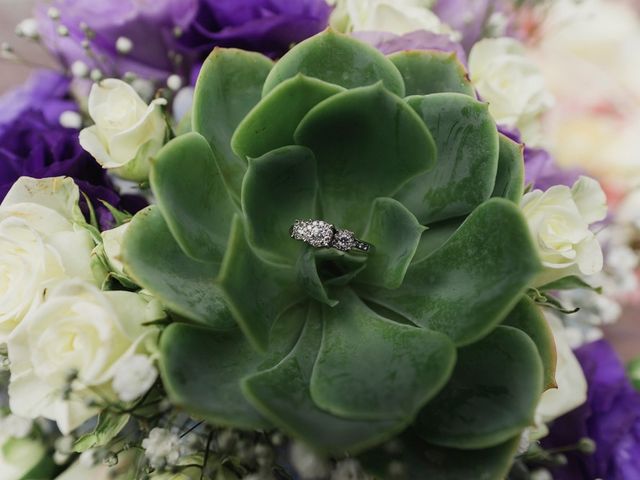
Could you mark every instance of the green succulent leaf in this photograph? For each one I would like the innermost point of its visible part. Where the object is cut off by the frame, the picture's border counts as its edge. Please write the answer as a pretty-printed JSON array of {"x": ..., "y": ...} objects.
[
  {"x": 367, "y": 143},
  {"x": 395, "y": 233},
  {"x": 510, "y": 176},
  {"x": 422, "y": 460},
  {"x": 429, "y": 71},
  {"x": 528, "y": 317},
  {"x": 201, "y": 370},
  {"x": 282, "y": 395},
  {"x": 266, "y": 128},
  {"x": 491, "y": 396},
  {"x": 278, "y": 189},
  {"x": 155, "y": 261},
  {"x": 228, "y": 87},
  {"x": 338, "y": 59},
  {"x": 372, "y": 368},
  {"x": 467, "y": 145},
  {"x": 190, "y": 193},
  {"x": 468, "y": 286},
  {"x": 309, "y": 278},
  {"x": 435, "y": 236},
  {"x": 256, "y": 291}
]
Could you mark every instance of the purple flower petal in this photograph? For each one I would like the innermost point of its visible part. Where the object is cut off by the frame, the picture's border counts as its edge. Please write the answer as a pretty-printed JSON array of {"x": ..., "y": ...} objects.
[
  {"x": 611, "y": 417},
  {"x": 389, "y": 43},
  {"x": 540, "y": 169},
  {"x": 31, "y": 144}
]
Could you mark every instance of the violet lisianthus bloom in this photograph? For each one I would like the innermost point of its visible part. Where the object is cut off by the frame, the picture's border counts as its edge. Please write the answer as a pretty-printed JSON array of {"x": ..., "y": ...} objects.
[
  {"x": 389, "y": 43},
  {"x": 45, "y": 91},
  {"x": 540, "y": 169},
  {"x": 477, "y": 19},
  {"x": 34, "y": 147},
  {"x": 611, "y": 418},
  {"x": 266, "y": 26},
  {"x": 123, "y": 36}
]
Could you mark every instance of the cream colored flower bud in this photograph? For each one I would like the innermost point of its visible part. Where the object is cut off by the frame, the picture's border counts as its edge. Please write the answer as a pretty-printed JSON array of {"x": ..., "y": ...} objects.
[
  {"x": 559, "y": 220},
  {"x": 127, "y": 132}
]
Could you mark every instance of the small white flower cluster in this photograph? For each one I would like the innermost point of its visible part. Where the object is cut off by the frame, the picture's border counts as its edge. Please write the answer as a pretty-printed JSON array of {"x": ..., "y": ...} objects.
[
  {"x": 310, "y": 466},
  {"x": 164, "y": 447}
]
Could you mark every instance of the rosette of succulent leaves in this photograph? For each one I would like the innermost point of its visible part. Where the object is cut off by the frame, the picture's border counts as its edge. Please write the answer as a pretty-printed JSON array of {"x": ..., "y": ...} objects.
[{"x": 430, "y": 340}]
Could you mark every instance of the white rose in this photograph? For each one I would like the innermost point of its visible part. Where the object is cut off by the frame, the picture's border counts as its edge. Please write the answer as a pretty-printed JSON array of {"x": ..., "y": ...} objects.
[
  {"x": 134, "y": 376},
  {"x": 394, "y": 16},
  {"x": 112, "y": 245},
  {"x": 77, "y": 332},
  {"x": 572, "y": 385},
  {"x": 559, "y": 221},
  {"x": 42, "y": 240},
  {"x": 127, "y": 131},
  {"x": 512, "y": 84}
]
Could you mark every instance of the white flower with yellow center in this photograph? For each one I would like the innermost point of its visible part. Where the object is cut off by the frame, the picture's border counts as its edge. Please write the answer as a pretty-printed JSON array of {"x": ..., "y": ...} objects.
[{"x": 127, "y": 132}]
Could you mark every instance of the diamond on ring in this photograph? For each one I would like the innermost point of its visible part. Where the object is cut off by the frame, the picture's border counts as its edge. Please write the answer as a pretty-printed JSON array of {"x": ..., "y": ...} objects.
[{"x": 321, "y": 234}]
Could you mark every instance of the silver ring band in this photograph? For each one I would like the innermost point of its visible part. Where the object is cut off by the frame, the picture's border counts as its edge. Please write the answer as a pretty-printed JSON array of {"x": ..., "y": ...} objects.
[{"x": 321, "y": 234}]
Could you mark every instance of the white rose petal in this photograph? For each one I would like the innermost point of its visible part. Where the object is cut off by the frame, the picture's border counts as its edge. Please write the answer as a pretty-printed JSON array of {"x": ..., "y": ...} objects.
[
  {"x": 112, "y": 243},
  {"x": 41, "y": 242},
  {"x": 80, "y": 329},
  {"x": 511, "y": 83},
  {"x": 394, "y": 16},
  {"x": 559, "y": 220},
  {"x": 590, "y": 199},
  {"x": 572, "y": 385},
  {"x": 134, "y": 377},
  {"x": 127, "y": 131}
]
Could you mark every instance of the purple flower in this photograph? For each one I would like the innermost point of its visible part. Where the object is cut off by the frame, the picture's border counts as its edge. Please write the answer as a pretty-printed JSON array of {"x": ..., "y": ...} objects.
[
  {"x": 34, "y": 147},
  {"x": 149, "y": 25},
  {"x": 474, "y": 19},
  {"x": 45, "y": 91},
  {"x": 540, "y": 169},
  {"x": 267, "y": 26},
  {"x": 389, "y": 43},
  {"x": 611, "y": 417}
]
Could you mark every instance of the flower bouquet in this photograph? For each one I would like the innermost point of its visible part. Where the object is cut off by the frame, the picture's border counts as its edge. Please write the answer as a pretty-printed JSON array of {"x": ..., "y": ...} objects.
[{"x": 317, "y": 262}]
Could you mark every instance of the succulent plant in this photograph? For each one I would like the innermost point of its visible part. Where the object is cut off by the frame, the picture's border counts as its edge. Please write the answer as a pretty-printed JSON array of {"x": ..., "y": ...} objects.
[{"x": 430, "y": 337}]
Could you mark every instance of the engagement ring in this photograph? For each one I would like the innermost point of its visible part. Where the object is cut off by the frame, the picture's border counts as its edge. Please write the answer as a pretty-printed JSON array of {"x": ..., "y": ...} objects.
[{"x": 321, "y": 234}]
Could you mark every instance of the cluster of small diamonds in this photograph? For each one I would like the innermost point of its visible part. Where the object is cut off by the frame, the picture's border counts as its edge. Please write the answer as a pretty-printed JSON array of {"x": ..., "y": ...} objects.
[
  {"x": 314, "y": 232},
  {"x": 343, "y": 240}
]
